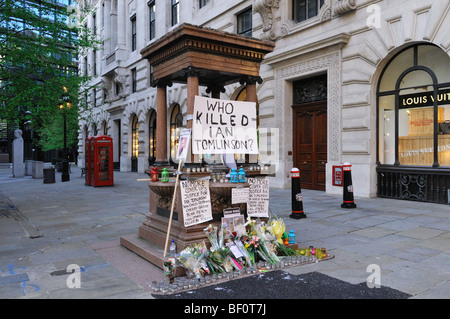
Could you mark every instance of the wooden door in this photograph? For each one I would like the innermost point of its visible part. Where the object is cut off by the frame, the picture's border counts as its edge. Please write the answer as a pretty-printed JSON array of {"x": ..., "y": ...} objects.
[{"x": 310, "y": 143}]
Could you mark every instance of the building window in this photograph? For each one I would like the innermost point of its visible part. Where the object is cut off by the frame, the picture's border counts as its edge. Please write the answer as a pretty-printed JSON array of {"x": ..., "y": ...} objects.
[
  {"x": 133, "y": 80},
  {"x": 152, "y": 138},
  {"x": 176, "y": 122},
  {"x": 95, "y": 62},
  {"x": 151, "y": 76},
  {"x": 133, "y": 33},
  {"x": 135, "y": 137},
  {"x": 175, "y": 12},
  {"x": 94, "y": 24},
  {"x": 202, "y": 3},
  {"x": 414, "y": 108},
  {"x": 117, "y": 88},
  {"x": 244, "y": 23},
  {"x": 152, "y": 19},
  {"x": 305, "y": 9},
  {"x": 85, "y": 66}
]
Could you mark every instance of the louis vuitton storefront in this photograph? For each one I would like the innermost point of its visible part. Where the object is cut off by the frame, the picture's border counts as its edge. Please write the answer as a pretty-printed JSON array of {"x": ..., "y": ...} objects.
[{"x": 413, "y": 118}]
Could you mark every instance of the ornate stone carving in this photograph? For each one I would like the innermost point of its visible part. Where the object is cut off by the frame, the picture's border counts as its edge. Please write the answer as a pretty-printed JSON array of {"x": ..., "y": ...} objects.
[
  {"x": 331, "y": 63},
  {"x": 326, "y": 14},
  {"x": 121, "y": 79},
  {"x": 344, "y": 6},
  {"x": 266, "y": 9},
  {"x": 310, "y": 90},
  {"x": 107, "y": 89}
]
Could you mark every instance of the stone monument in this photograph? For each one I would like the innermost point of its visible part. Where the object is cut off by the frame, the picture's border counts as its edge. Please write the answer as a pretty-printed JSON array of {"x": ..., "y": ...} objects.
[{"x": 18, "y": 168}]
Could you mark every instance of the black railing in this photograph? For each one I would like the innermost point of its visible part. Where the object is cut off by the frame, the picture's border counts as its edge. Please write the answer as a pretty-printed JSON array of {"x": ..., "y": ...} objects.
[{"x": 413, "y": 183}]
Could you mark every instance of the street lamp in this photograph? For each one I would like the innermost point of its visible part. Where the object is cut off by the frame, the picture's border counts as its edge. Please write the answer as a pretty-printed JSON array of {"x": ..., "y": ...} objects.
[{"x": 64, "y": 105}]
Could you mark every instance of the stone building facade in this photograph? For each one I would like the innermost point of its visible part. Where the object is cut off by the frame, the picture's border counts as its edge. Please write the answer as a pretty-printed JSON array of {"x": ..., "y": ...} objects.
[{"x": 330, "y": 93}]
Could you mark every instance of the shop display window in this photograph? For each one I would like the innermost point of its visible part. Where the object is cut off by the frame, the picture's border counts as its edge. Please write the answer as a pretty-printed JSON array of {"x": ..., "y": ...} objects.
[{"x": 414, "y": 109}]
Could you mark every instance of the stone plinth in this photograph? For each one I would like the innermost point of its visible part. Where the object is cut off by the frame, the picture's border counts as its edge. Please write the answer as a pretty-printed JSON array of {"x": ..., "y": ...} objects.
[
  {"x": 150, "y": 241},
  {"x": 37, "y": 169},
  {"x": 18, "y": 166}
]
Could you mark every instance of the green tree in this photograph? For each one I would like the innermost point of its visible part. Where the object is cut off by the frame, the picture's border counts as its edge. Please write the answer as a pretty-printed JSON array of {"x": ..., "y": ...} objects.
[{"x": 39, "y": 47}]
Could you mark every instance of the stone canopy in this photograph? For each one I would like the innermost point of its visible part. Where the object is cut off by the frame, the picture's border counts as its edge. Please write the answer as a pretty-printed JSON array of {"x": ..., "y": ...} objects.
[
  {"x": 218, "y": 58},
  {"x": 201, "y": 57}
]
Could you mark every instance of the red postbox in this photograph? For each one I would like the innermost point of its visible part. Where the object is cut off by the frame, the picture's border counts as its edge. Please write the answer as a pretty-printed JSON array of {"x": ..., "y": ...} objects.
[
  {"x": 99, "y": 161},
  {"x": 338, "y": 176}
]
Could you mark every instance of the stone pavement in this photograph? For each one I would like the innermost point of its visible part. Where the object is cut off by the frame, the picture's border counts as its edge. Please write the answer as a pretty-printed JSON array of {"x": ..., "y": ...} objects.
[{"x": 44, "y": 228}]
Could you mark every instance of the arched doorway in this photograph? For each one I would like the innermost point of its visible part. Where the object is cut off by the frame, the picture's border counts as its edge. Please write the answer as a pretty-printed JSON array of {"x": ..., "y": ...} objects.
[
  {"x": 152, "y": 138},
  {"x": 176, "y": 123},
  {"x": 413, "y": 140},
  {"x": 134, "y": 143}
]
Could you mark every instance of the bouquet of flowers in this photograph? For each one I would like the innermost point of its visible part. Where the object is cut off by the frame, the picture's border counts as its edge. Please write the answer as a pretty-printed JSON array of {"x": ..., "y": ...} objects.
[
  {"x": 249, "y": 259},
  {"x": 215, "y": 236},
  {"x": 193, "y": 259},
  {"x": 277, "y": 228},
  {"x": 220, "y": 261},
  {"x": 251, "y": 244},
  {"x": 169, "y": 269},
  {"x": 266, "y": 247}
]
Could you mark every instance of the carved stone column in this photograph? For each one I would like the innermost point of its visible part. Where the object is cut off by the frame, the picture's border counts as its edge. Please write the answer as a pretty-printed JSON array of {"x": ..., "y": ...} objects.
[
  {"x": 161, "y": 125},
  {"x": 192, "y": 91}
]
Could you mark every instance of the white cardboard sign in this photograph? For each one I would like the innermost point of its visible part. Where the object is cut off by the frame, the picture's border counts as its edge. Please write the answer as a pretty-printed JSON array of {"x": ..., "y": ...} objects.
[
  {"x": 196, "y": 201},
  {"x": 258, "y": 197},
  {"x": 224, "y": 127}
]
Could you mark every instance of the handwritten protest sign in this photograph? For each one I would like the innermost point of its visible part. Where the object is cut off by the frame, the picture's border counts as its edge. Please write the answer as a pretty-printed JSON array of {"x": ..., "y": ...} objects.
[
  {"x": 196, "y": 201},
  {"x": 224, "y": 127},
  {"x": 239, "y": 195},
  {"x": 258, "y": 197}
]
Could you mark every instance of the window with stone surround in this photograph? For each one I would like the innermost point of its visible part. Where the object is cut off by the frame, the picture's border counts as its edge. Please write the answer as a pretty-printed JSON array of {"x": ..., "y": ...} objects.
[
  {"x": 414, "y": 108},
  {"x": 152, "y": 19},
  {"x": 133, "y": 33},
  {"x": 175, "y": 12},
  {"x": 305, "y": 9},
  {"x": 202, "y": 3},
  {"x": 244, "y": 22}
]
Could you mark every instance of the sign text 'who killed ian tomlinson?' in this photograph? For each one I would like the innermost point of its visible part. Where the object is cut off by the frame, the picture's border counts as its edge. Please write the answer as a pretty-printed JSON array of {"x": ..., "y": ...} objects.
[{"x": 224, "y": 127}]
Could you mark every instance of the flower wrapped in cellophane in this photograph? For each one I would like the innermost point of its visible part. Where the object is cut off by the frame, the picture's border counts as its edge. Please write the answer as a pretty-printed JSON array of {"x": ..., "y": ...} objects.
[
  {"x": 215, "y": 236},
  {"x": 193, "y": 259},
  {"x": 267, "y": 242},
  {"x": 277, "y": 228},
  {"x": 219, "y": 260},
  {"x": 249, "y": 258}
]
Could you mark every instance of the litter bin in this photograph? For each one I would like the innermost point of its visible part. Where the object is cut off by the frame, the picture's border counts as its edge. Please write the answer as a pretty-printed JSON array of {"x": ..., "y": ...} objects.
[{"x": 49, "y": 175}]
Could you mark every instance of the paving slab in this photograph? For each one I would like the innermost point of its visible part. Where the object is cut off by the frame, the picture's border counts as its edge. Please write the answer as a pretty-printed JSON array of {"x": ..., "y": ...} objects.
[{"x": 409, "y": 241}]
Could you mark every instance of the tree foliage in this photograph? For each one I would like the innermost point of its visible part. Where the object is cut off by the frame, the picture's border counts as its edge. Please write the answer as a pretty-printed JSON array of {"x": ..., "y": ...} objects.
[{"x": 39, "y": 48}]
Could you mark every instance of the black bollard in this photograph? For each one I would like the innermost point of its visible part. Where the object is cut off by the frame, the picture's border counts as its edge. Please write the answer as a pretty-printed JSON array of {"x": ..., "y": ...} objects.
[
  {"x": 297, "y": 197},
  {"x": 348, "y": 187}
]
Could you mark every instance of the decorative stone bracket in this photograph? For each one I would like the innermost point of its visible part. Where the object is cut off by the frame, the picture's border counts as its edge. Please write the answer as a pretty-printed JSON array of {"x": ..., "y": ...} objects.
[
  {"x": 121, "y": 79},
  {"x": 344, "y": 6},
  {"x": 266, "y": 9}
]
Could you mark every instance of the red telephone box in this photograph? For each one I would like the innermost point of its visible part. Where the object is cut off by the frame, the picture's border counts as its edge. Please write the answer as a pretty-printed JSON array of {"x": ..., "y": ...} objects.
[{"x": 99, "y": 161}]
